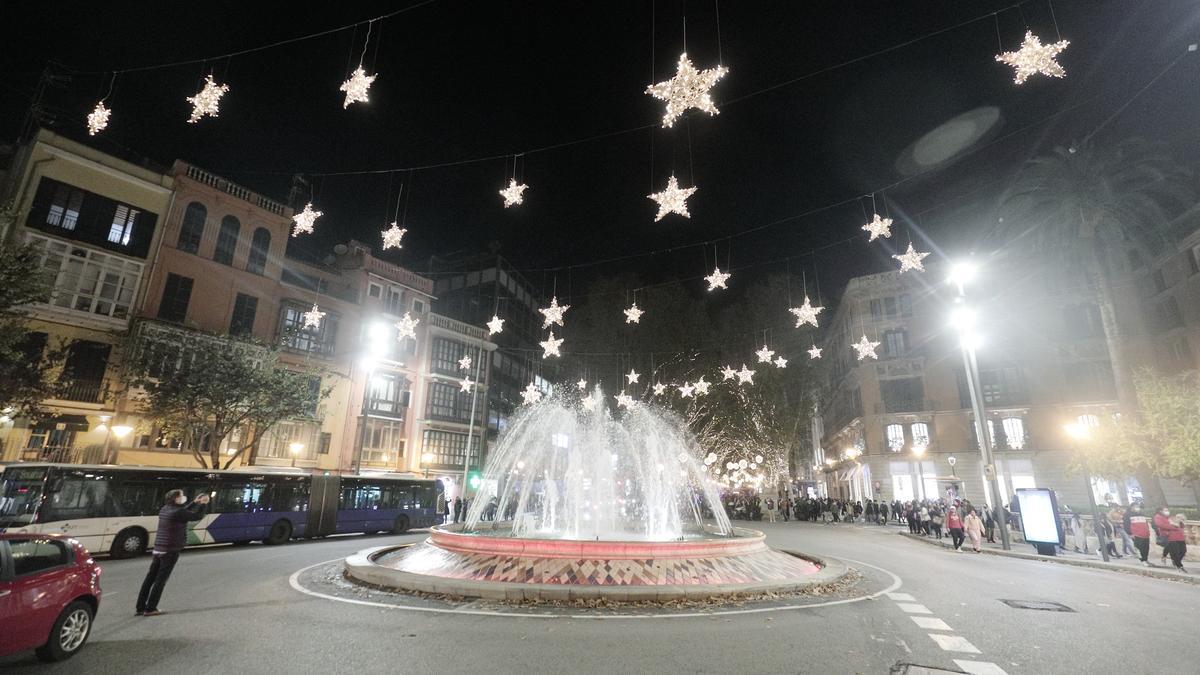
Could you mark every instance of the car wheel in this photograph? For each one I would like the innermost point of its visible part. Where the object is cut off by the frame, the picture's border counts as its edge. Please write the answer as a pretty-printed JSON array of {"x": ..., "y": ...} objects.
[
  {"x": 280, "y": 532},
  {"x": 129, "y": 543},
  {"x": 401, "y": 525},
  {"x": 69, "y": 633}
]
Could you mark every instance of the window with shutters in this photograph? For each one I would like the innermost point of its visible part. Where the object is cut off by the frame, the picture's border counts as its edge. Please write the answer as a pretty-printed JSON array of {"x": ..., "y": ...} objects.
[
  {"x": 65, "y": 207},
  {"x": 121, "y": 229},
  {"x": 191, "y": 230},
  {"x": 895, "y": 437}
]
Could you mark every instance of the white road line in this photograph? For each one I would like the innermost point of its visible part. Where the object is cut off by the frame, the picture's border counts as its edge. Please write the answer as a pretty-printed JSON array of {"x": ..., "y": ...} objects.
[
  {"x": 913, "y": 608},
  {"x": 930, "y": 623},
  {"x": 901, "y": 597},
  {"x": 979, "y": 667},
  {"x": 954, "y": 643},
  {"x": 294, "y": 582}
]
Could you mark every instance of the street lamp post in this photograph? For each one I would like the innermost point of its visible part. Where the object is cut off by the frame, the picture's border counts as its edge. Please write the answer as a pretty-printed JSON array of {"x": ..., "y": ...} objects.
[
  {"x": 1081, "y": 433},
  {"x": 295, "y": 449},
  {"x": 964, "y": 319},
  {"x": 479, "y": 372}
]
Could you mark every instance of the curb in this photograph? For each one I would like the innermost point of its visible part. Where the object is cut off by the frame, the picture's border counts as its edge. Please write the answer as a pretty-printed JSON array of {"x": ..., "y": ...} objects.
[{"x": 1144, "y": 572}]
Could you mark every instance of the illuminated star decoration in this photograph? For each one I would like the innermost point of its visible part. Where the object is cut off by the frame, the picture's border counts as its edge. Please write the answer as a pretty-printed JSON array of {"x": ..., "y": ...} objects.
[
  {"x": 496, "y": 325},
  {"x": 312, "y": 318},
  {"x": 589, "y": 403},
  {"x": 465, "y": 362},
  {"x": 207, "y": 101},
  {"x": 686, "y": 390},
  {"x": 717, "y": 279},
  {"x": 466, "y": 384},
  {"x": 1034, "y": 57},
  {"x": 98, "y": 119},
  {"x": 623, "y": 400},
  {"x": 879, "y": 227},
  {"x": 672, "y": 200},
  {"x": 633, "y": 376},
  {"x": 781, "y": 362},
  {"x": 392, "y": 236},
  {"x": 531, "y": 394},
  {"x": 633, "y": 314},
  {"x": 764, "y": 355},
  {"x": 550, "y": 345},
  {"x": 911, "y": 260},
  {"x": 659, "y": 388},
  {"x": 728, "y": 373},
  {"x": 806, "y": 313},
  {"x": 553, "y": 313},
  {"x": 582, "y": 384},
  {"x": 865, "y": 348},
  {"x": 702, "y": 386},
  {"x": 512, "y": 193},
  {"x": 688, "y": 89},
  {"x": 814, "y": 352},
  {"x": 745, "y": 375},
  {"x": 406, "y": 327},
  {"x": 356, "y": 87},
  {"x": 305, "y": 220}
]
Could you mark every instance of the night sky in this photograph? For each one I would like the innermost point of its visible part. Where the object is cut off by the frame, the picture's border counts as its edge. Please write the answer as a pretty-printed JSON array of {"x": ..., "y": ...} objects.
[{"x": 457, "y": 80}]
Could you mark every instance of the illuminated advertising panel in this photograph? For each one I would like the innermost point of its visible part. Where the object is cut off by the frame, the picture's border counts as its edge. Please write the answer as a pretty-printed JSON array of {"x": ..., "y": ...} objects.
[{"x": 1039, "y": 515}]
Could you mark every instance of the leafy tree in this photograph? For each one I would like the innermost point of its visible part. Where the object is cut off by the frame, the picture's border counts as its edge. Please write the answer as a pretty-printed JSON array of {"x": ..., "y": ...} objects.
[
  {"x": 200, "y": 388},
  {"x": 25, "y": 362}
]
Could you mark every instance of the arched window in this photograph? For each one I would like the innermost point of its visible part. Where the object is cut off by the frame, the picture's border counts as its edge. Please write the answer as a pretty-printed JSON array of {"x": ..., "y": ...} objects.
[
  {"x": 895, "y": 437},
  {"x": 191, "y": 231},
  {"x": 260, "y": 244},
  {"x": 227, "y": 240},
  {"x": 920, "y": 435}
]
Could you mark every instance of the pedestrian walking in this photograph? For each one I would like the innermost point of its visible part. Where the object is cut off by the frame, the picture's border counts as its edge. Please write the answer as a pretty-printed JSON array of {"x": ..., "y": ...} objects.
[
  {"x": 989, "y": 526},
  {"x": 974, "y": 528},
  {"x": 769, "y": 509},
  {"x": 785, "y": 508},
  {"x": 1160, "y": 524},
  {"x": 1138, "y": 527},
  {"x": 169, "y": 540},
  {"x": 1116, "y": 517},
  {"x": 883, "y": 513},
  {"x": 955, "y": 524},
  {"x": 925, "y": 520}
]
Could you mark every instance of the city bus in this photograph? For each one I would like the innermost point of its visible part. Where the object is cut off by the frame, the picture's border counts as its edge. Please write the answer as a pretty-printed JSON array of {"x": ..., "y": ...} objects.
[{"x": 114, "y": 509}]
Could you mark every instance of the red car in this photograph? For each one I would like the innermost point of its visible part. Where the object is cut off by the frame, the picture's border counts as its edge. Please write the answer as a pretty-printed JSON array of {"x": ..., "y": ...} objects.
[{"x": 49, "y": 594}]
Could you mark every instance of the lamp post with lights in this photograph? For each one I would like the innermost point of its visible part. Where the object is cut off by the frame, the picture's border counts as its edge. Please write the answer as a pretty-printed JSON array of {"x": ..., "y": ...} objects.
[{"x": 1081, "y": 434}]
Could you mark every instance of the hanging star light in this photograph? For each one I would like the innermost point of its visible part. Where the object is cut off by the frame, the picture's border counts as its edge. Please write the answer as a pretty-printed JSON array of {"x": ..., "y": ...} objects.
[
  {"x": 553, "y": 313},
  {"x": 550, "y": 345},
  {"x": 814, "y": 352},
  {"x": 633, "y": 314},
  {"x": 806, "y": 313},
  {"x": 406, "y": 327},
  {"x": 305, "y": 220},
  {"x": 911, "y": 260},
  {"x": 672, "y": 200},
  {"x": 465, "y": 362},
  {"x": 531, "y": 394},
  {"x": 781, "y": 362},
  {"x": 623, "y": 400},
  {"x": 496, "y": 325},
  {"x": 686, "y": 390},
  {"x": 207, "y": 101},
  {"x": 466, "y": 384},
  {"x": 764, "y": 355},
  {"x": 312, "y": 318},
  {"x": 590, "y": 402},
  {"x": 357, "y": 86},
  {"x": 728, "y": 373},
  {"x": 659, "y": 388},
  {"x": 879, "y": 227},
  {"x": 717, "y": 279},
  {"x": 1034, "y": 57},
  {"x": 97, "y": 120},
  {"x": 512, "y": 194},
  {"x": 633, "y": 376},
  {"x": 745, "y": 375},
  {"x": 865, "y": 348},
  {"x": 688, "y": 89},
  {"x": 582, "y": 384},
  {"x": 392, "y": 236},
  {"x": 702, "y": 386}
]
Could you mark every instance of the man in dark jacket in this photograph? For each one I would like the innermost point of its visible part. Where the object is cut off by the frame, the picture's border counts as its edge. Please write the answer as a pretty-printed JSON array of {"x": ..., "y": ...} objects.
[{"x": 170, "y": 539}]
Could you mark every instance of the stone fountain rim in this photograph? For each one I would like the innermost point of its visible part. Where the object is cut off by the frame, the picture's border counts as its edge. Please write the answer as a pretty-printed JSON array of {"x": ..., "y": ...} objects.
[{"x": 742, "y": 541}]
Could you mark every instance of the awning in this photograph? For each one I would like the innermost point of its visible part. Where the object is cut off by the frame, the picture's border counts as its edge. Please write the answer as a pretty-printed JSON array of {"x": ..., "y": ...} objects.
[{"x": 72, "y": 422}]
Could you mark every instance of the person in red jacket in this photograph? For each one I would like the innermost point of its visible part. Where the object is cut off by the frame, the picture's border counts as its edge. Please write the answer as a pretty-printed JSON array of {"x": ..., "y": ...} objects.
[
  {"x": 1162, "y": 520},
  {"x": 955, "y": 525},
  {"x": 1172, "y": 529},
  {"x": 1138, "y": 527}
]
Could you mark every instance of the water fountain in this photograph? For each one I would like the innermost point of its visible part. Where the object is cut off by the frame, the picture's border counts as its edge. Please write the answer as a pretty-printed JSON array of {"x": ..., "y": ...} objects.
[{"x": 579, "y": 502}]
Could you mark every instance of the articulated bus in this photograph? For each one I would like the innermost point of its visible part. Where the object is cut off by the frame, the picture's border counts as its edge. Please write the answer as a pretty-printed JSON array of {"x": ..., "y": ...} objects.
[{"x": 115, "y": 509}]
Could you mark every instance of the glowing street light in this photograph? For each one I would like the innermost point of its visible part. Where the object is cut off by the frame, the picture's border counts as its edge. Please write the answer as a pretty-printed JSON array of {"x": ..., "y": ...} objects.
[
  {"x": 426, "y": 460},
  {"x": 296, "y": 448},
  {"x": 962, "y": 273},
  {"x": 1077, "y": 431}
]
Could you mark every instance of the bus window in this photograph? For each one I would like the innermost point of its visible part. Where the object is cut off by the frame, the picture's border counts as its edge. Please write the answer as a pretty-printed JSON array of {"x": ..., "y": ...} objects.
[
  {"x": 139, "y": 498},
  {"x": 289, "y": 496},
  {"x": 82, "y": 496},
  {"x": 20, "y": 495},
  {"x": 238, "y": 497}
]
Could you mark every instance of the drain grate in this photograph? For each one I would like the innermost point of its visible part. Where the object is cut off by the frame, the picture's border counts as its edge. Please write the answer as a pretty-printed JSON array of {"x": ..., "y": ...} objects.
[{"x": 1042, "y": 605}]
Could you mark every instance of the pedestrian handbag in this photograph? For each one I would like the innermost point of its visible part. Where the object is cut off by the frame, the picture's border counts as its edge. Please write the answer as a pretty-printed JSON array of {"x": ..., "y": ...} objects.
[{"x": 1161, "y": 540}]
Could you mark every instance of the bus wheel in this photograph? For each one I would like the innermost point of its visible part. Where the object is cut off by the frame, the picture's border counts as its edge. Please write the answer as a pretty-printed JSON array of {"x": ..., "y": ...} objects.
[
  {"x": 401, "y": 525},
  {"x": 129, "y": 542},
  {"x": 280, "y": 532}
]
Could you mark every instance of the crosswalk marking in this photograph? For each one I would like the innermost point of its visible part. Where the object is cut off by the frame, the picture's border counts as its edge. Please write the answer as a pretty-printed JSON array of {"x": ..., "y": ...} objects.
[
  {"x": 913, "y": 608},
  {"x": 930, "y": 623},
  {"x": 901, "y": 597},
  {"x": 954, "y": 643},
  {"x": 979, "y": 667}
]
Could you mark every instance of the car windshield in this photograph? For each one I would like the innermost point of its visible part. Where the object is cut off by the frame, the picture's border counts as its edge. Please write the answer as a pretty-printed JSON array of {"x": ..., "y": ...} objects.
[{"x": 20, "y": 495}]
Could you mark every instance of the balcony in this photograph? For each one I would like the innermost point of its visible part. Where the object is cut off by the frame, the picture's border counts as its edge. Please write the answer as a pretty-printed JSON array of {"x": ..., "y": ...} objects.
[
  {"x": 399, "y": 275},
  {"x": 81, "y": 391},
  {"x": 905, "y": 406},
  {"x": 439, "y": 321}
]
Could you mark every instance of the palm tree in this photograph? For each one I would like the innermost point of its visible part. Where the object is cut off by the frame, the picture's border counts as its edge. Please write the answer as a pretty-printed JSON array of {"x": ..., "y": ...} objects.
[{"x": 1078, "y": 208}]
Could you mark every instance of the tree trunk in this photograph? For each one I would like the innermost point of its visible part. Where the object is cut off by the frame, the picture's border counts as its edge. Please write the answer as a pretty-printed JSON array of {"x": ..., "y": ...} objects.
[{"x": 1127, "y": 403}]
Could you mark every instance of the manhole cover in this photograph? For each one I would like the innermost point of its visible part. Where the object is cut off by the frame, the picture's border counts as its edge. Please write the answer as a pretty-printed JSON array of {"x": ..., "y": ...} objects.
[{"x": 1038, "y": 604}]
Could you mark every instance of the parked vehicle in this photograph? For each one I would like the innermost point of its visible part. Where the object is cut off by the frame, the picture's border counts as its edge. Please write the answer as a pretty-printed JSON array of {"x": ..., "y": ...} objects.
[{"x": 49, "y": 594}]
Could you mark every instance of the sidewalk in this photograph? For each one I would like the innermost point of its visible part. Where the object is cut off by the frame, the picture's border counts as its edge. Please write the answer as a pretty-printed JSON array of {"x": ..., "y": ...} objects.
[{"x": 1127, "y": 564}]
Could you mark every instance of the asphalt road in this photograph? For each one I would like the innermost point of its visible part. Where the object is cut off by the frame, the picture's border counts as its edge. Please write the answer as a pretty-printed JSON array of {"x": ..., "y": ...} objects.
[{"x": 233, "y": 610}]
